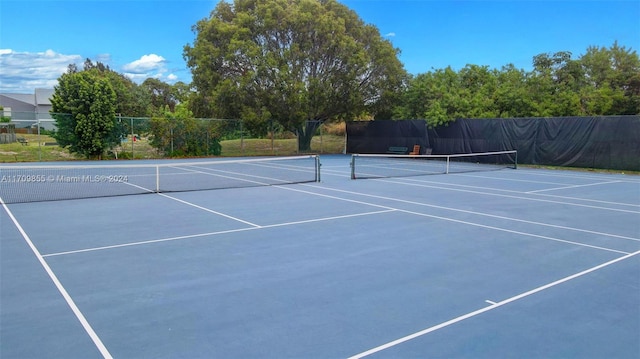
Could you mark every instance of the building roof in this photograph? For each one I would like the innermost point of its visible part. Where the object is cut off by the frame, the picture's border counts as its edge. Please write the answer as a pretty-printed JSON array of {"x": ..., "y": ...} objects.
[
  {"x": 43, "y": 96},
  {"x": 26, "y": 98}
]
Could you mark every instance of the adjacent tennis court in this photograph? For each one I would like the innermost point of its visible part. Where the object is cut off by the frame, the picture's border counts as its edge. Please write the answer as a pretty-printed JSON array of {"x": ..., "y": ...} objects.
[{"x": 299, "y": 260}]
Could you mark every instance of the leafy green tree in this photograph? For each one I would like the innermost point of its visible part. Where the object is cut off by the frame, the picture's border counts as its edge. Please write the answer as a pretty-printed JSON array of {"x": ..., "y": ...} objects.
[
  {"x": 300, "y": 62},
  {"x": 548, "y": 88},
  {"x": 132, "y": 100},
  {"x": 161, "y": 94},
  {"x": 177, "y": 133},
  {"x": 434, "y": 96},
  {"x": 84, "y": 106},
  {"x": 604, "y": 81},
  {"x": 478, "y": 88},
  {"x": 614, "y": 76},
  {"x": 512, "y": 98}
]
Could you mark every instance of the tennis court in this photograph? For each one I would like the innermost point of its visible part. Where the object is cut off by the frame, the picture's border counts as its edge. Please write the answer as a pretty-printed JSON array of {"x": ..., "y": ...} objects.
[{"x": 508, "y": 263}]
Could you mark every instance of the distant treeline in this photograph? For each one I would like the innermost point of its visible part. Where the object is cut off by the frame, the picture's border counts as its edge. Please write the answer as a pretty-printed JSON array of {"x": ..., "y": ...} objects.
[{"x": 603, "y": 81}]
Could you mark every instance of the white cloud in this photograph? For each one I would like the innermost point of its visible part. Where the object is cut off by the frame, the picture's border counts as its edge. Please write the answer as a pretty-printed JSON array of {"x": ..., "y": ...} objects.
[
  {"x": 149, "y": 66},
  {"x": 145, "y": 64},
  {"x": 23, "y": 72},
  {"x": 391, "y": 34}
]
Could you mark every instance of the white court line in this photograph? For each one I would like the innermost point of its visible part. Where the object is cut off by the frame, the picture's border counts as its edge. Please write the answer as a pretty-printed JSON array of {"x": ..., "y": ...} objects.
[
  {"x": 74, "y": 308},
  {"x": 213, "y": 233},
  {"x": 209, "y": 210},
  {"x": 507, "y": 179},
  {"x": 489, "y": 308},
  {"x": 455, "y": 220},
  {"x": 507, "y": 196},
  {"x": 151, "y": 241},
  {"x": 570, "y": 174},
  {"x": 463, "y": 222},
  {"x": 514, "y": 232},
  {"x": 412, "y": 179},
  {"x": 423, "y": 180},
  {"x": 574, "y": 186},
  {"x": 385, "y": 209},
  {"x": 477, "y": 213},
  {"x": 527, "y": 172}
]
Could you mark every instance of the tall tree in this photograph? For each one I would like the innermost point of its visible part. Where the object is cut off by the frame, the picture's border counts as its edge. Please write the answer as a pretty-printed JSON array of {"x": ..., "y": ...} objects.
[
  {"x": 161, "y": 94},
  {"x": 132, "y": 99},
  {"x": 615, "y": 74},
  {"x": 84, "y": 106},
  {"x": 604, "y": 81},
  {"x": 512, "y": 98},
  {"x": 301, "y": 62}
]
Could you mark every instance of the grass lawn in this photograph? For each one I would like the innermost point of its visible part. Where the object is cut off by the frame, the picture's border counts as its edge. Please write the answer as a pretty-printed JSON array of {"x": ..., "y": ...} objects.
[
  {"x": 38, "y": 148},
  {"x": 42, "y": 148}
]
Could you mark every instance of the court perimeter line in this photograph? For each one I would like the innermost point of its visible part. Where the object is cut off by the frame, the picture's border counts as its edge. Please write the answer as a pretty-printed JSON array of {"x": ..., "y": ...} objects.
[
  {"x": 514, "y": 232},
  {"x": 574, "y": 186},
  {"x": 506, "y": 196},
  {"x": 85, "y": 324},
  {"x": 479, "y": 213},
  {"x": 461, "y": 221},
  {"x": 489, "y": 308},
  {"x": 520, "y": 192},
  {"x": 575, "y": 174},
  {"x": 213, "y": 233}
]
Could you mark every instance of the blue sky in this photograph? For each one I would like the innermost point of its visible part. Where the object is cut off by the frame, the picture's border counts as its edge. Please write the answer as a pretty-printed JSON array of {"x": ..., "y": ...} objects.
[{"x": 145, "y": 38}]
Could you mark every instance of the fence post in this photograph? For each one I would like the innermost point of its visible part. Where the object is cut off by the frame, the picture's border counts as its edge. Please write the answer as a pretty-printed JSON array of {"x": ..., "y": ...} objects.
[
  {"x": 273, "y": 148},
  {"x": 132, "y": 139},
  {"x": 39, "y": 144}
]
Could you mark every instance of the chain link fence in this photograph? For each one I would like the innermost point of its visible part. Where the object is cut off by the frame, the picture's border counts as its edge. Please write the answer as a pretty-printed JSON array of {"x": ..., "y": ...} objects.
[{"x": 162, "y": 137}]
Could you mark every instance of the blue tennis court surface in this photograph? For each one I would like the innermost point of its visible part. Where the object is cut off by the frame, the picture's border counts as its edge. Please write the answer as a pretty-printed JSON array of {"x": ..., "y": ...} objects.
[{"x": 524, "y": 263}]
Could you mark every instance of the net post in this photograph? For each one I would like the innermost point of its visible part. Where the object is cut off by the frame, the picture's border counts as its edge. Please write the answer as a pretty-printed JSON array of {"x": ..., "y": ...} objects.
[
  {"x": 157, "y": 179},
  {"x": 318, "y": 164},
  {"x": 353, "y": 167},
  {"x": 447, "y": 168},
  {"x": 515, "y": 164}
]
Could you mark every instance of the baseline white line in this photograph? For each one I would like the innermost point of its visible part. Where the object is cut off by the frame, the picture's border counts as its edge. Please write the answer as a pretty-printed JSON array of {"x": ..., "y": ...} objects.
[
  {"x": 489, "y": 308},
  {"x": 574, "y": 186},
  {"x": 67, "y": 297},
  {"x": 152, "y": 241},
  {"x": 478, "y": 213}
]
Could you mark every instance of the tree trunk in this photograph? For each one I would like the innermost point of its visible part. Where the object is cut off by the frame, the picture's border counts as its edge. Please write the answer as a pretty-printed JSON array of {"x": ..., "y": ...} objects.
[{"x": 305, "y": 134}]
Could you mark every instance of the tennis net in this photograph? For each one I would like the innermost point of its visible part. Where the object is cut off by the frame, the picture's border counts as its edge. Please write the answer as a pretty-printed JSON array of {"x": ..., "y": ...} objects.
[
  {"x": 26, "y": 183},
  {"x": 384, "y": 166}
]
